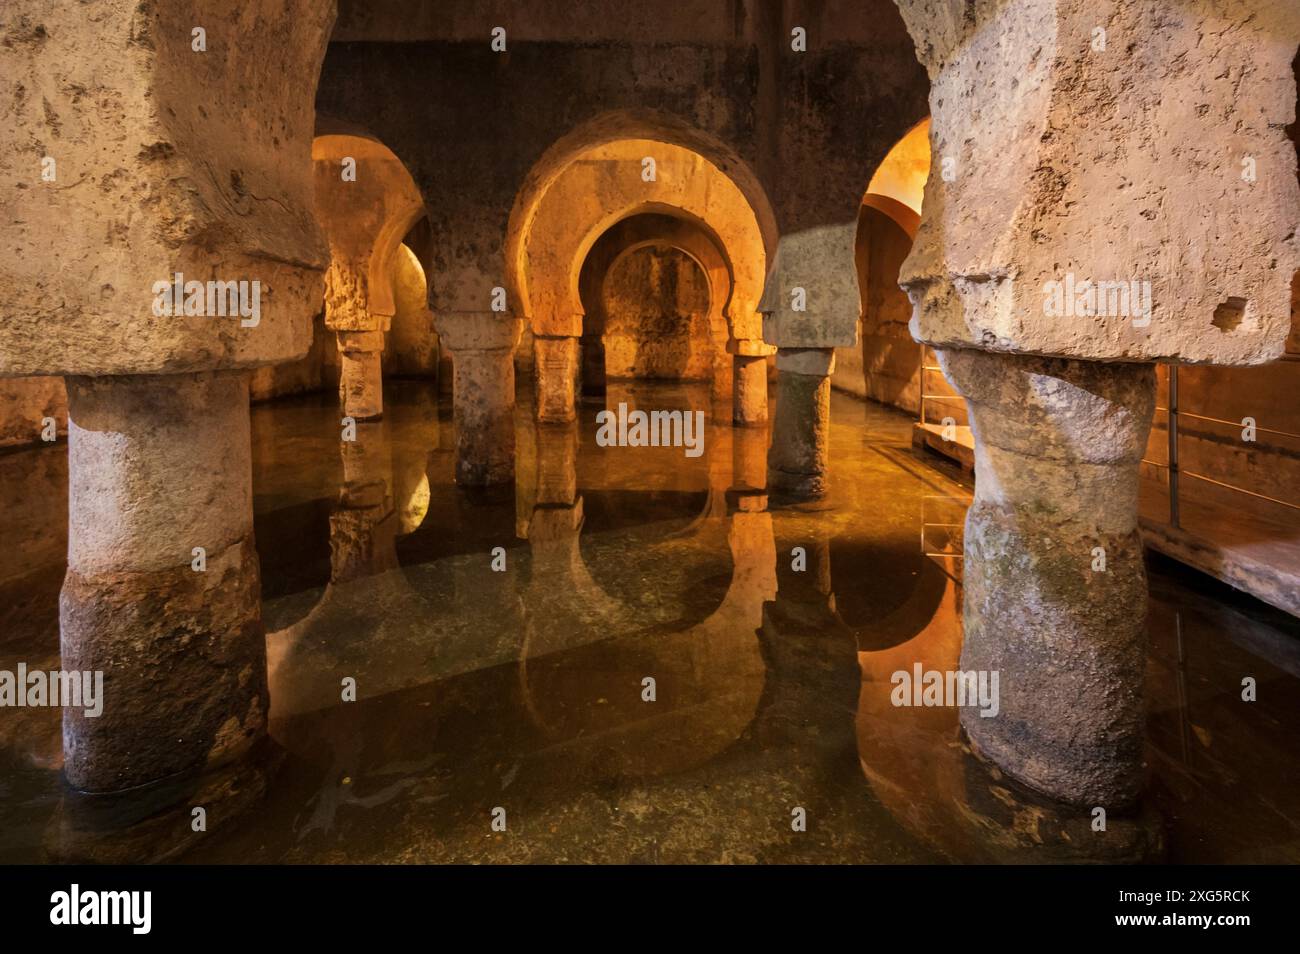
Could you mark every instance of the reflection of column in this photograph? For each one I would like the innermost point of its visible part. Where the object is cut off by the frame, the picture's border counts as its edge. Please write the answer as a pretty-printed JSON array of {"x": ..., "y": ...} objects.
[
  {"x": 361, "y": 385},
  {"x": 555, "y": 374},
  {"x": 363, "y": 526},
  {"x": 555, "y": 525},
  {"x": 798, "y": 456},
  {"x": 1057, "y": 446},
  {"x": 557, "y": 465},
  {"x": 749, "y": 459},
  {"x": 483, "y": 370},
  {"x": 159, "y": 466}
]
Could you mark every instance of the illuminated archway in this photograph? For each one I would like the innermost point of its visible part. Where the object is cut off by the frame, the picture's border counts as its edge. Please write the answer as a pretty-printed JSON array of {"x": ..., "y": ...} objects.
[
  {"x": 365, "y": 201},
  {"x": 618, "y": 166}
]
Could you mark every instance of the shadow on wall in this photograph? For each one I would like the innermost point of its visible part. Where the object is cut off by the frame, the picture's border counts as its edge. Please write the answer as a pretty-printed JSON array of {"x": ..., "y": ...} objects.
[{"x": 886, "y": 365}]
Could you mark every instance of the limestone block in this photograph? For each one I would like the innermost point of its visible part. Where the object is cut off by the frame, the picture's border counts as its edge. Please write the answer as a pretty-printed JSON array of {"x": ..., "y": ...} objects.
[
  {"x": 1136, "y": 144},
  {"x": 811, "y": 300},
  {"x": 166, "y": 159}
]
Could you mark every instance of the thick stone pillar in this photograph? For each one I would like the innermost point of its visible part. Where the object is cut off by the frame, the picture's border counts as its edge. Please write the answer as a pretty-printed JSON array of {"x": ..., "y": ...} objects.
[
  {"x": 1055, "y": 588},
  {"x": 483, "y": 394},
  {"x": 797, "y": 459},
  {"x": 159, "y": 466},
  {"x": 361, "y": 381},
  {"x": 555, "y": 378},
  {"x": 749, "y": 405}
]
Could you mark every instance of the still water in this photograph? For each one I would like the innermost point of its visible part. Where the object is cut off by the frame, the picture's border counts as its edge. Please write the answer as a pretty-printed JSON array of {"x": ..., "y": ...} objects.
[{"x": 633, "y": 655}]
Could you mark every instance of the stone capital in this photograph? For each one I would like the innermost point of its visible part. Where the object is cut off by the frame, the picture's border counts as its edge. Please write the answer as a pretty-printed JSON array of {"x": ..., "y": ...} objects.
[
  {"x": 1110, "y": 179},
  {"x": 477, "y": 330},
  {"x": 819, "y": 362}
]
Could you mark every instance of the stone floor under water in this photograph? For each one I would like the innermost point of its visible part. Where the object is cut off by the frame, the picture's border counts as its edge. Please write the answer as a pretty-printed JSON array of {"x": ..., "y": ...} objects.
[{"x": 522, "y": 688}]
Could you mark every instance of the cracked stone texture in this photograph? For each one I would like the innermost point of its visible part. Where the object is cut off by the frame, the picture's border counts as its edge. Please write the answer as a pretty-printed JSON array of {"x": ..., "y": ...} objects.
[
  {"x": 167, "y": 160},
  {"x": 1112, "y": 165}
]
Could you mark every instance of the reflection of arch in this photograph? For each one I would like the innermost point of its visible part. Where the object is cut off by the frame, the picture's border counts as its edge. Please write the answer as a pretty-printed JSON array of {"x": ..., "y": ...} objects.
[{"x": 709, "y": 678}]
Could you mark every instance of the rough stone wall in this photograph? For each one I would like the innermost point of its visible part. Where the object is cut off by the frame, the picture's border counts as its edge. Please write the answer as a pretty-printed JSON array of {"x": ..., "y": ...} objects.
[
  {"x": 656, "y": 303},
  {"x": 24, "y": 405},
  {"x": 167, "y": 160}
]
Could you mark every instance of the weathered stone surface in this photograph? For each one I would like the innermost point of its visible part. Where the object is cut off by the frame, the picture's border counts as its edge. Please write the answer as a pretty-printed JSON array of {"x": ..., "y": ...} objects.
[
  {"x": 797, "y": 459},
  {"x": 482, "y": 346},
  {"x": 554, "y": 377},
  {"x": 811, "y": 299},
  {"x": 361, "y": 385},
  {"x": 166, "y": 160},
  {"x": 484, "y": 413},
  {"x": 365, "y": 201},
  {"x": 1056, "y": 160},
  {"x": 1056, "y": 454},
  {"x": 25, "y": 403},
  {"x": 749, "y": 405},
  {"x": 159, "y": 465}
]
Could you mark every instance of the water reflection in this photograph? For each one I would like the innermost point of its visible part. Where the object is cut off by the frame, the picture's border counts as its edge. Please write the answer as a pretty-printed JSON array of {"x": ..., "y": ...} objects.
[{"x": 500, "y": 644}]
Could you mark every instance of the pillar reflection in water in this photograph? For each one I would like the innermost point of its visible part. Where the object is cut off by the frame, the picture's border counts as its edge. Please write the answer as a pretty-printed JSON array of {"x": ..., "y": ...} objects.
[{"x": 586, "y": 658}]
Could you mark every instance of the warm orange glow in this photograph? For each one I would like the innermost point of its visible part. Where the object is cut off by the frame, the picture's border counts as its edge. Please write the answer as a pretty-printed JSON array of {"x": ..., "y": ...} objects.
[{"x": 903, "y": 173}]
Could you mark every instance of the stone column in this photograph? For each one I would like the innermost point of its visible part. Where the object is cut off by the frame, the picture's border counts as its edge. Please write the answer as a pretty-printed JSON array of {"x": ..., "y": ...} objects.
[
  {"x": 361, "y": 382},
  {"x": 749, "y": 406},
  {"x": 722, "y": 385},
  {"x": 483, "y": 394},
  {"x": 160, "y": 466},
  {"x": 555, "y": 378},
  {"x": 797, "y": 459},
  {"x": 1055, "y": 587}
]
